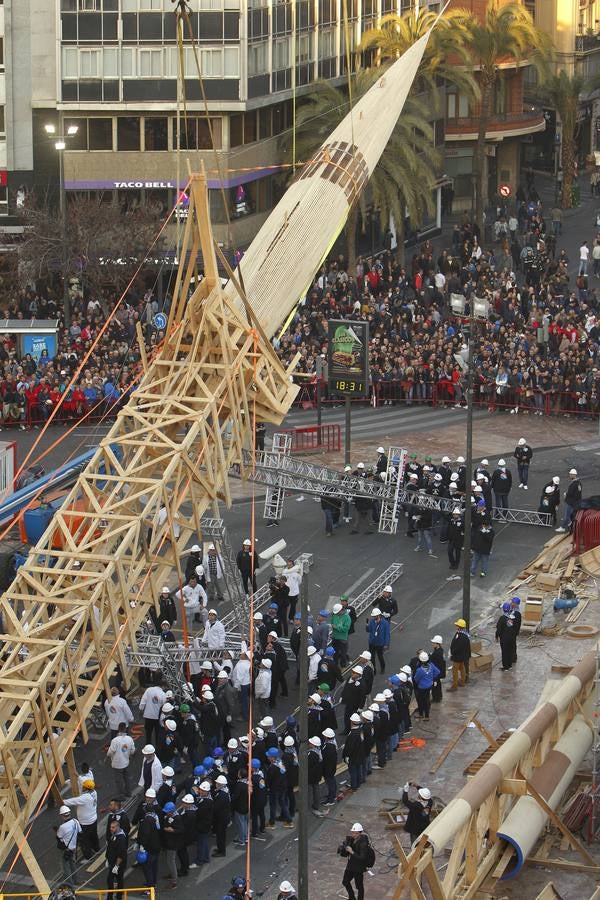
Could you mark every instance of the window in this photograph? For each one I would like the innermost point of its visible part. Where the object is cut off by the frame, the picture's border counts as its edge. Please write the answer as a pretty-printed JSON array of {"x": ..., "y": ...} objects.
[
  {"x": 69, "y": 62},
  {"x": 264, "y": 122},
  {"x": 457, "y": 106},
  {"x": 231, "y": 62},
  {"x": 79, "y": 140},
  {"x": 250, "y": 127},
  {"x": 327, "y": 43},
  {"x": 150, "y": 63},
  {"x": 195, "y": 134},
  {"x": 110, "y": 62},
  {"x": 281, "y": 53},
  {"x": 156, "y": 134},
  {"x": 89, "y": 64},
  {"x": 1, "y": 53},
  {"x": 501, "y": 95},
  {"x": 128, "y": 133},
  {"x": 156, "y": 5},
  {"x": 90, "y": 5},
  {"x": 236, "y": 131},
  {"x": 128, "y": 60},
  {"x": 2, "y": 123},
  {"x": 257, "y": 58},
  {"x": 100, "y": 134},
  {"x": 210, "y": 4},
  {"x": 303, "y": 48}
]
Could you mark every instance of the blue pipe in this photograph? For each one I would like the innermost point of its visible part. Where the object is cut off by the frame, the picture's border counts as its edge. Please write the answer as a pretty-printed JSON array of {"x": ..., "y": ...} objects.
[{"x": 64, "y": 476}]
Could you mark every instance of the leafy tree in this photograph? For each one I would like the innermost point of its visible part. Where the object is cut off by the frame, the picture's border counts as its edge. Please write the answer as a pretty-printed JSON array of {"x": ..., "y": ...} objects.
[
  {"x": 403, "y": 180},
  {"x": 562, "y": 91},
  {"x": 507, "y": 34}
]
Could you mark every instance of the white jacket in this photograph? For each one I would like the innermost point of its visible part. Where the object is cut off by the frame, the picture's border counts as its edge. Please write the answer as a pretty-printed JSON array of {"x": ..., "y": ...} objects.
[
  {"x": 192, "y": 597},
  {"x": 152, "y": 702},
  {"x": 157, "y": 778},
  {"x": 313, "y": 666},
  {"x": 196, "y": 657},
  {"x": 214, "y": 635},
  {"x": 120, "y": 751},
  {"x": 262, "y": 684},
  {"x": 117, "y": 710},
  {"x": 293, "y": 579},
  {"x": 241, "y": 673},
  {"x": 86, "y": 805},
  {"x": 206, "y": 568}
]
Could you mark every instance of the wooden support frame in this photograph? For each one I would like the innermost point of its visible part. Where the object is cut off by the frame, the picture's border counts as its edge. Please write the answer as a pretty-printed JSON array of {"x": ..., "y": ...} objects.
[{"x": 97, "y": 571}]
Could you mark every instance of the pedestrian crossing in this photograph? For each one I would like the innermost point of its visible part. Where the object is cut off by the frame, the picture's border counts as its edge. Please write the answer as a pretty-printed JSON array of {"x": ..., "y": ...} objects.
[{"x": 383, "y": 421}]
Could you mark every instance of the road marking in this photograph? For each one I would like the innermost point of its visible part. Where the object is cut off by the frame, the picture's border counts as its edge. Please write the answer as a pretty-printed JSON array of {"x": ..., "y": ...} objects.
[{"x": 358, "y": 581}]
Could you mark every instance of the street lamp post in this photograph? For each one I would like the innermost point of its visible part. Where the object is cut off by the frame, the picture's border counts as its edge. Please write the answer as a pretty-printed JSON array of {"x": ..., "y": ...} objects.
[
  {"x": 557, "y": 141},
  {"x": 478, "y": 310},
  {"x": 60, "y": 144}
]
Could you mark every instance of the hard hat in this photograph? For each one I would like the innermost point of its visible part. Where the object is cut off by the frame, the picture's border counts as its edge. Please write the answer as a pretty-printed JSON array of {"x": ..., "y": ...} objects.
[
  {"x": 423, "y": 657},
  {"x": 88, "y": 784},
  {"x": 456, "y": 511},
  {"x": 247, "y": 542},
  {"x": 413, "y": 475},
  {"x": 65, "y": 811},
  {"x": 170, "y": 725},
  {"x": 393, "y": 679},
  {"x": 200, "y": 571},
  {"x": 206, "y": 665},
  {"x": 315, "y": 741},
  {"x": 506, "y": 606},
  {"x": 521, "y": 442},
  {"x": 387, "y": 694},
  {"x": 266, "y": 722},
  {"x": 148, "y": 749},
  {"x": 347, "y": 468},
  {"x": 195, "y": 548},
  {"x": 437, "y": 639},
  {"x": 454, "y": 477},
  {"x": 273, "y": 634},
  {"x": 220, "y": 779},
  {"x": 208, "y": 762},
  {"x": 150, "y": 793},
  {"x": 189, "y": 798},
  {"x": 460, "y": 623},
  {"x": 437, "y": 477},
  {"x": 330, "y": 651},
  {"x": 328, "y": 733},
  {"x": 168, "y": 771},
  {"x": 184, "y": 707},
  {"x": 316, "y": 698},
  {"x": 285, "y": 887},
  {"x": 337, "y": 608},
  {"x": 556, "y": 479},
  {"x": 367, "y": 714},
  {"x": 501, "y": 462},
  {"x": 324, "y": 613},
  {"x": 460, "y": 459},
  {"x": 223, "y": 674},
  {"x": 213, "y": 612},
  {"x": 366, "y": 654},
  {"x": 258, "y": 616},
  {"x": 375, "y": 611},
  {"x": 445, "y": 459},
  {"x": 267, "y": 663},
  {"x": 167, "y": 707},
  {"x": 406, "y": 669},
  {"x": 232, "y": 744},
  {"x": 256, "y": 763},
  {"x": 484, "y": 462},
  {"x": 311, "y": 651},
  {"x": 380, "y": 450},
  {"x": 288, "y": 741},
  {"x": 374, "y": 708},
  {"x": 355, "y": 718},
  {"x": 238, "y": 882},
  {"x": 387, "y": 589},
  {"x": 166, "y": 590},
  {"x": 478, "y": 489},
  {"x": 357, "y": 669},
  {"x": 403, "y": 676},
  {"x": 199, "y": 770},
  {"x": 166, "y": 622},
  {"x": 361, "y": 465},
  {"x": 424, "y": 793},
  {"x": 169, "y": 807},
  {"x": 205, "y": 786},
  {"x": 272, "y": 753},
  {"x": 378, "y": 698},
  {"x": 357, "y": 828},
  {"x": 516, "y": 601},
  {"x": 572, "y": 471}
]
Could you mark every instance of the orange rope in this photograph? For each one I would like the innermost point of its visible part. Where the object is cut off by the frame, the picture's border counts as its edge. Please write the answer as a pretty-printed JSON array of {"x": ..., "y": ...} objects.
[{"x": 119, "y": 637}]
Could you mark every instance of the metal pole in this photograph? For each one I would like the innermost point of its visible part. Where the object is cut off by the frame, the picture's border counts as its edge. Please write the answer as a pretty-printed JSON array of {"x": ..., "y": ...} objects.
[
  {"x": 319, "y": 370},
  {"x": 303, "y": 749},
  {"x": 348, "y": 426},
  {"x": 65, "y": 255},
  {"x": 466, "y": 594}
]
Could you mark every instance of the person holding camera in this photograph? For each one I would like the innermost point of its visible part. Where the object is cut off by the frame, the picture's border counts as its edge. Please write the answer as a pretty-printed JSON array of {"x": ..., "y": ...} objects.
[
  {"x": 357, "y": 849},
  {"x": 67, "y": 835}
]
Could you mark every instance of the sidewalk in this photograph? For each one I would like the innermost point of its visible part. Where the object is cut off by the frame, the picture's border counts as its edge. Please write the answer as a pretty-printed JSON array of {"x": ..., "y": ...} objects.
[{"x": 502, "y": 700}]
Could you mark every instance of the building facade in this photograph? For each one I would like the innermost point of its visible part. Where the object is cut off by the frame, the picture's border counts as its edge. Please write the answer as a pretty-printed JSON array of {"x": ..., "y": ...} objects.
[{"x": 109, "y": 68}]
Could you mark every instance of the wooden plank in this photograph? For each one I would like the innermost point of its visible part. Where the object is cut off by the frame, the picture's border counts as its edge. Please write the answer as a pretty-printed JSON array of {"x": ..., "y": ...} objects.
[
  {"x": 563, "y": 864},
  {"x": 557, "y": 821},
  {"x": 516, "y": 787},
  {"x": 408, "y": 866},
  {"x": 570, "y": 568},
  {"x": 453, "y": 741},
  {"x": 487, "y": 734},
  {"x": 507, "y": 855},
  {"x": 549, "y": 893},
  {"x": 575, "y": 613}
]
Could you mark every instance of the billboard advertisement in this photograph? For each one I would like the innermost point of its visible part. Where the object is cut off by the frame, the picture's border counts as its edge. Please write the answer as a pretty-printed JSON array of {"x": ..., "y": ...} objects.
[{"x": 348, "y": 357}]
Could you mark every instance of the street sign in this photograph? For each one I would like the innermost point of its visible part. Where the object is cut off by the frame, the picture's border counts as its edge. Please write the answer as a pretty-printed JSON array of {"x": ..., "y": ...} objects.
[
  {"x": 504, "y": 190},
  {"x": 159, "y": 321},
  {"x": 348, "y": 357}
]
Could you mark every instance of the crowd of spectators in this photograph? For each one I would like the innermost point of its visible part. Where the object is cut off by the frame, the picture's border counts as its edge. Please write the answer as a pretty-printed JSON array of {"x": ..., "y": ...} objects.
[
  {"x": 31, "y": 387},
  {"x": 537, "y": 351}
]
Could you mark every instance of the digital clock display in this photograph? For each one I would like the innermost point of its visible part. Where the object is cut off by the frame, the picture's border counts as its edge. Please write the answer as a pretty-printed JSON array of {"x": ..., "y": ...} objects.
[{"x": 349, "y": 387}]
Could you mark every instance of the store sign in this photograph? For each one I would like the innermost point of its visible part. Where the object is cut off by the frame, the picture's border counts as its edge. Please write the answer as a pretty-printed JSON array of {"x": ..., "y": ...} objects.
[
  {"x": 348, "y": 357},
  {"x": 148, "y": 185}
]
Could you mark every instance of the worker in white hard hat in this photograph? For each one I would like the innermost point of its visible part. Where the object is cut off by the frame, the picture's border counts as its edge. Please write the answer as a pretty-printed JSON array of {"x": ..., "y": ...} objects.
[
  {"x": 151, "y": 704},
  {"x": 386, "y": 602},
  {"x": 523, "y": 455},
  {"x": 287, "y": 891},
  {"x": 67, "y": 835},
  {"x": 573, "y": 496},
  {"x": 381, "y": 464},
  {"x": 550, "y": 498},
  {"x": 419, "y": 803},
  {"x": 213, "y": 574},
  {"x": 167, "y": 611},
  {"x": 247, "y": 562},
  {"x": 438, "y": 659},
  {"x": 357, "y": 849},
  {"x": 193, "y": 560},
  {"x": 501, "y": 485},
  {"x": 378, "y": 630}
]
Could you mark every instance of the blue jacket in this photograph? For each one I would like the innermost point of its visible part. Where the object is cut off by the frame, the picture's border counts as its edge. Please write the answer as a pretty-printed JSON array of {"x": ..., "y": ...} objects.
[
  {"x": 379, "y": 632},
  {"x": 425, "y": 676}
]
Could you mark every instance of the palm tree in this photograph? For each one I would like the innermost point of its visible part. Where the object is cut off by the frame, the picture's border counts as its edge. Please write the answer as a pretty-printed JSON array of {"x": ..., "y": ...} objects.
[
  {"x": 562, "y": 92},
  {"x": 506, "y": 34},
  {"x": 395, "y": 34},
  {"x": 404, "y": 178}
]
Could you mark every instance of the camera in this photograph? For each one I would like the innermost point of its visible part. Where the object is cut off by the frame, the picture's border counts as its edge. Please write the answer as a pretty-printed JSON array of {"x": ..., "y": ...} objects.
[{"x": 341, "y": 850}]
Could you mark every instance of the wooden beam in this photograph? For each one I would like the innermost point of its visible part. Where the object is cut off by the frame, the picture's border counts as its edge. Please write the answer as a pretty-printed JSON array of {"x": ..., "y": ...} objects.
[
  {"x": 517, "y": 787},
  {"x": 30, "y": 860},
  {"x": 563, "y": 864},
  {"x": 557, "y": 821}
]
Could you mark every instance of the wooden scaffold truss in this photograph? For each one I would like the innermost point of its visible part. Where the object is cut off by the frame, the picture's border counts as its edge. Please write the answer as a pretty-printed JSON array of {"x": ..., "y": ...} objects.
[{"x": 97, "y": 571}]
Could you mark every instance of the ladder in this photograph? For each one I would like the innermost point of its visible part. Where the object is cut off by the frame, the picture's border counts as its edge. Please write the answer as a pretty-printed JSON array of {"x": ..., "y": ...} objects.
[
  {"x": 396, "y": 464},
  {"x": 214, "y": 530},
  {"x": 273, "y": 509}
]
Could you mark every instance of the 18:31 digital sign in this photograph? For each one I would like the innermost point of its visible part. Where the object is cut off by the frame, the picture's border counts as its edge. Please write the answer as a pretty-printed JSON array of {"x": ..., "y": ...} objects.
[{"x": 348, "y": 357}]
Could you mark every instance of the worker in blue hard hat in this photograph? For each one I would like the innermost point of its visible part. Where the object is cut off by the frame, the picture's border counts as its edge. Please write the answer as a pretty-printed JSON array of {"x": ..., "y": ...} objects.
[{"x": 505, "y": 635}]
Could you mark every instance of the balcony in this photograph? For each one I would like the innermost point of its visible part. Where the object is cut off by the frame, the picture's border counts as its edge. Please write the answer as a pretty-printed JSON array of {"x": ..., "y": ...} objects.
[{"x": 512, "y": 124}]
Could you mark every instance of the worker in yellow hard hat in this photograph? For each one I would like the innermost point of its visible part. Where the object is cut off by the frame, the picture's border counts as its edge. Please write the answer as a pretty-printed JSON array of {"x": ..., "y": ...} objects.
[{"x": 460, "y": 654}]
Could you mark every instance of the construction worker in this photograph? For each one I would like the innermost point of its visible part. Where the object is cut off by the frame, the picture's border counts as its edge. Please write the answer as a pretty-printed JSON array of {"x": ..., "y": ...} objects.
[
  {"x": 117, "y": 710},
  {"x": 460, "y": 654},
  {"x": 86, "y": 805},
  {"x": 572, "y": 500},
  {"x": 247, "y": 563},
  {"x": 356, "y": 848},
  {"x": 456, "y": 534},
  {"x": 523, "y": 455},
  {"x": 378, "y": 630},
  {"x": 419, "y": 803},
  {"x": 120, "y": 753},
  {"x": 67, "y": 836},
  {"x": 116, "y": 858},
  {"x": 506, "y": 635},
  {"x": 287, "y": 891},
  {"x": 439, "y": 660}
]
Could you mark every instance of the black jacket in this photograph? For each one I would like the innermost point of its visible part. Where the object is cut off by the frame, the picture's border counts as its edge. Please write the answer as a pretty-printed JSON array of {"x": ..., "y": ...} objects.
[
  {"x": 244, "y": 562},
  {"x": 481, "y": 541},
  {"x": 173, "y": 834},
  {"x": 239, "y": 797},
  {"x": 438, "y": 659},
  {"x": 354, "y": 749},
  {"x": 418, "y": 816},
  {"x": 505, "y": 629},
  {"x": 460, "y": 648},
  {"x": 573, "y": 493},
  {"x": 357, "y": 861},
  {"x": 221, "y": 809},
  {"x": 204, "y": 814},
  {"x": 315, "y": 767},
  {"x": 523, "y": 454},
  {"x": 122, "y": 818},
  {"x": 116, "y": 848},
  {"x": 353, "y": 694},
  {"x": 500, "y": 484},
  {"x": 148, "y": 835},
  {"x": 330, "y": 758}
]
